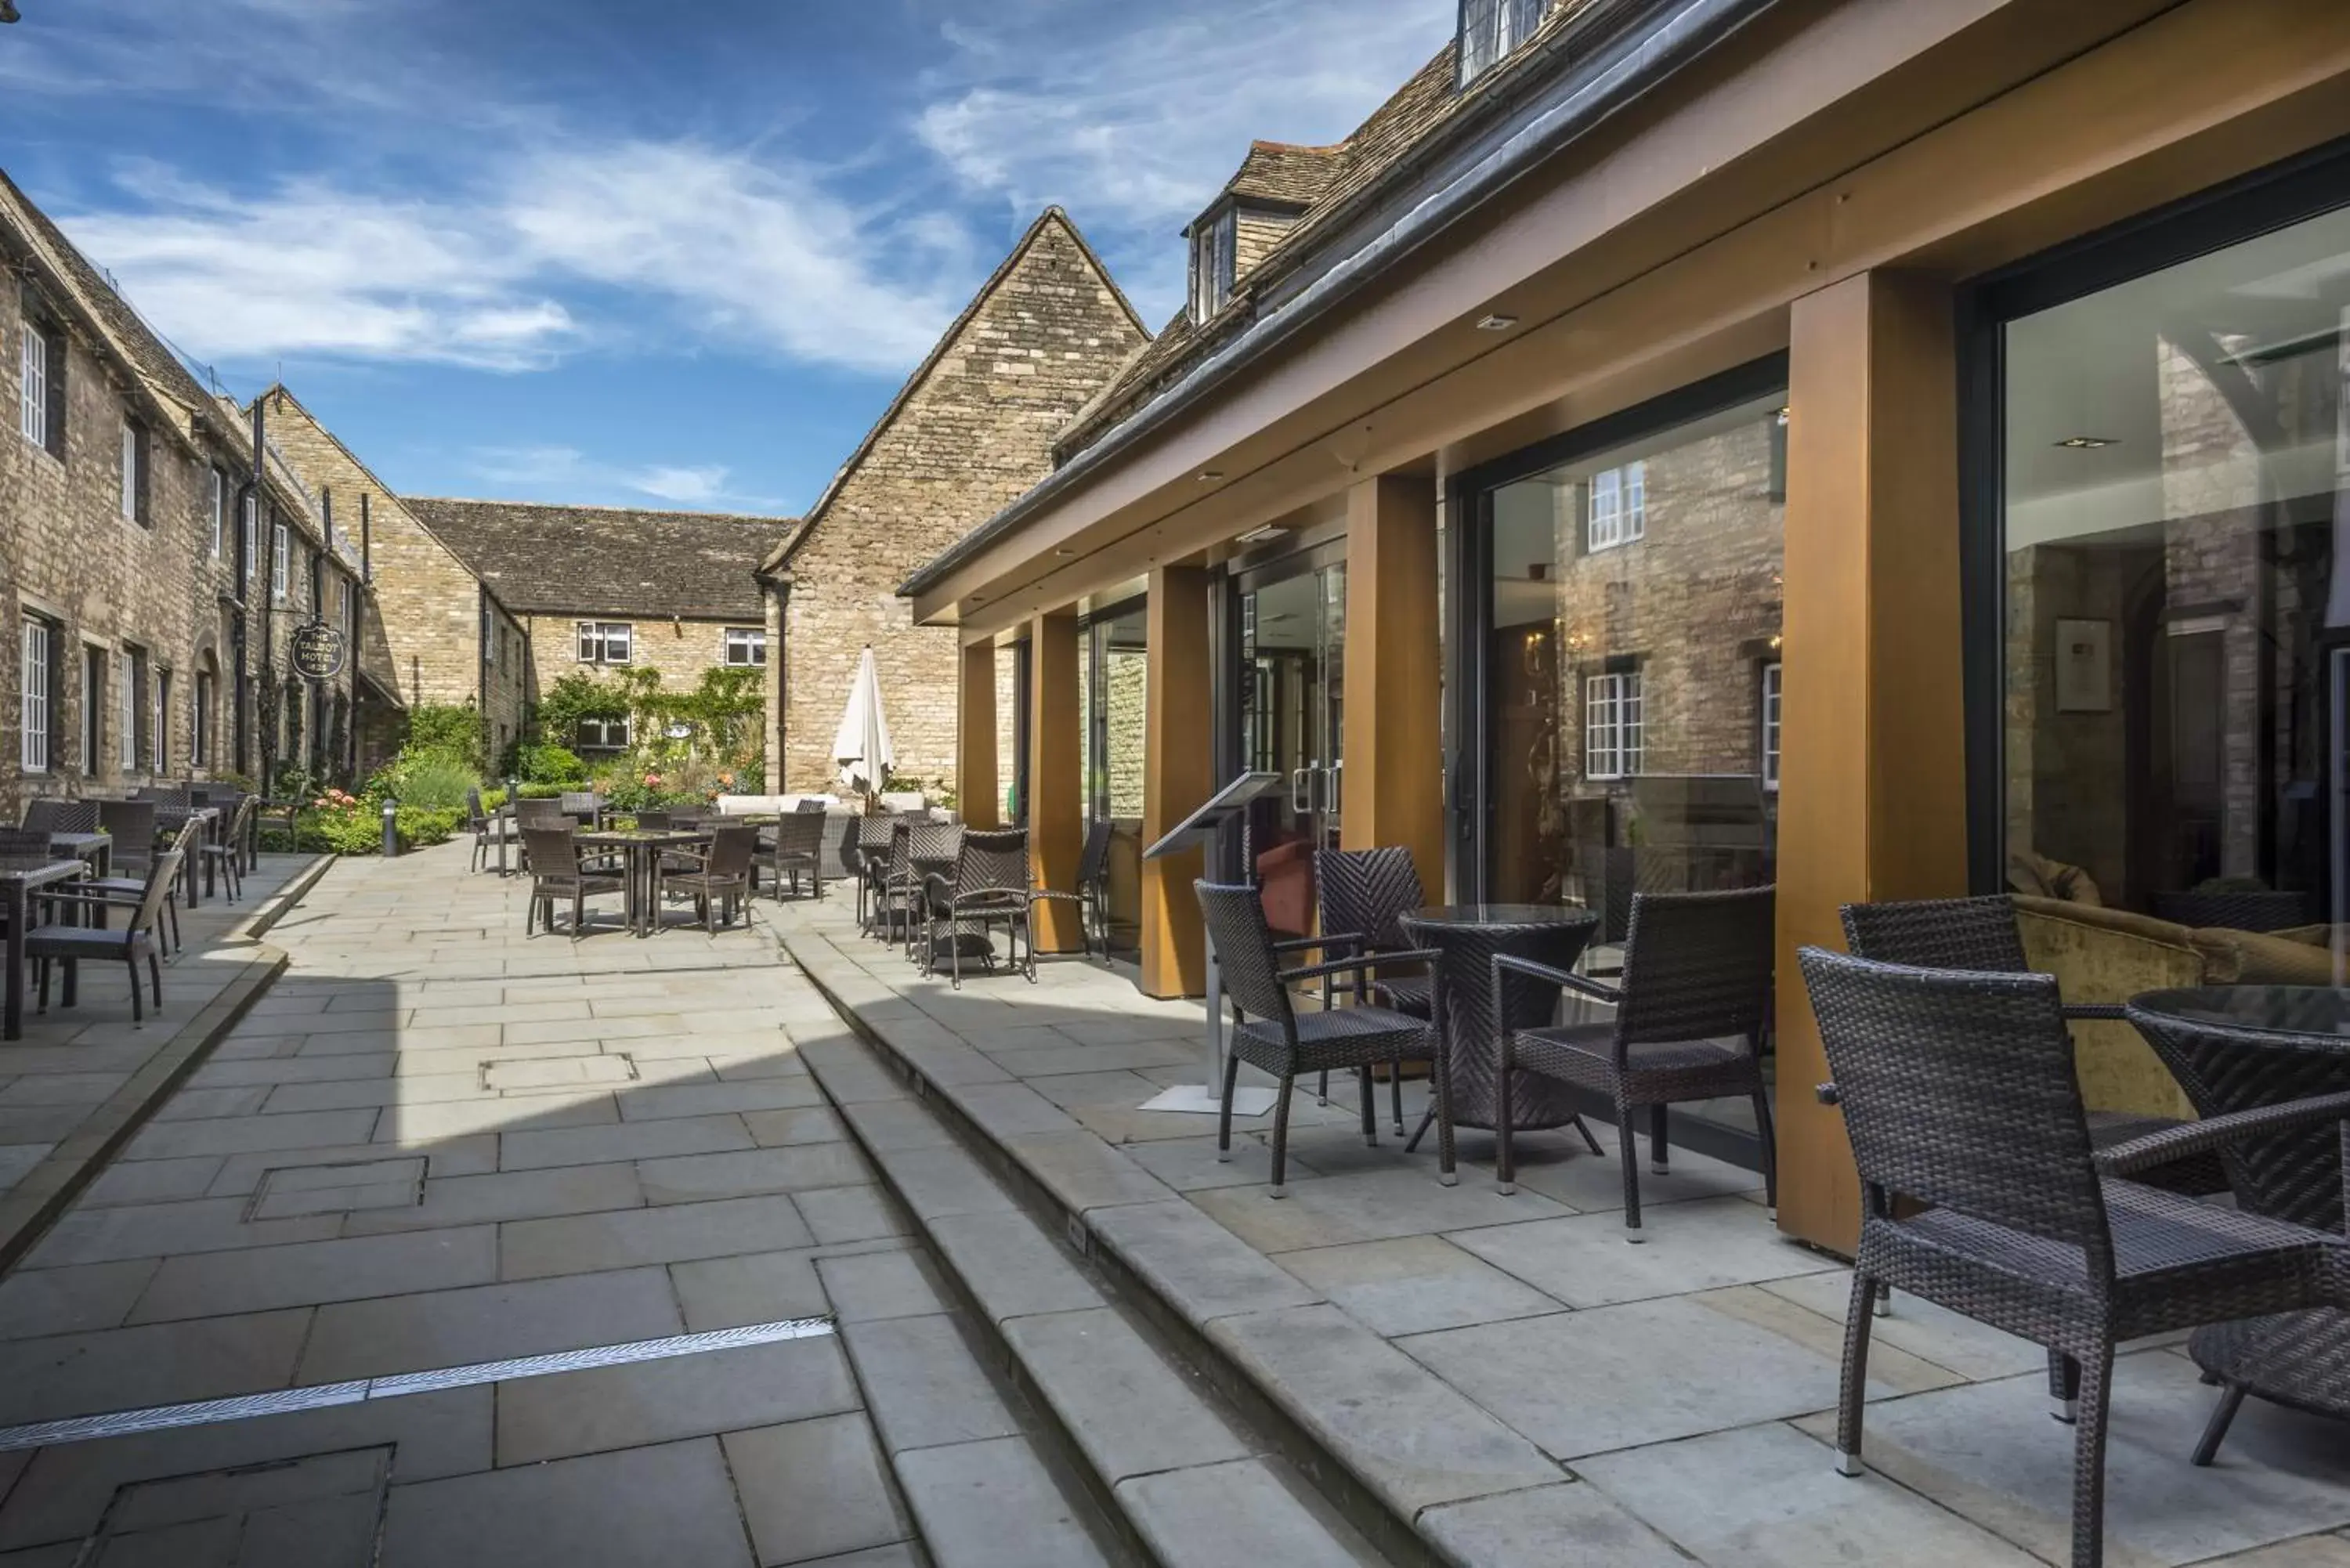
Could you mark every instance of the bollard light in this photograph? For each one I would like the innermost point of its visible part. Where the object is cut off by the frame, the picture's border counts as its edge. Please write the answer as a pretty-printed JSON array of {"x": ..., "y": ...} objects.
[{"x": 391, "y": 828}]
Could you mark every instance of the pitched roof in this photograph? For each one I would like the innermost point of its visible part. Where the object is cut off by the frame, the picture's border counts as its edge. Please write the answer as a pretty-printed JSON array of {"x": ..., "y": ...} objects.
[
  {"x": 1050, "y": 218},
  {"x": 1332, "y": 183},
  {"x": 607, "y": 560}
]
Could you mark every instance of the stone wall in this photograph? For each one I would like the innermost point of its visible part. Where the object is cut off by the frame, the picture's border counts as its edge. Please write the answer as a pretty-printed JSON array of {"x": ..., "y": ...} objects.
[
  {"x": 971, "y": 432},
  {"x": 679, "y": 650}
]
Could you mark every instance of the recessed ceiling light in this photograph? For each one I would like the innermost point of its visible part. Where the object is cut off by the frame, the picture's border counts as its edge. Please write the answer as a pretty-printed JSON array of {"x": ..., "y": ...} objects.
[
  {"x": 2087, "y": 443},
  {"x": 1496, "y": 322},
  {"x": 1064, "y": 550},
  {"x": 1259, "y": 535},
  {"x": 1210, "y": 476}
]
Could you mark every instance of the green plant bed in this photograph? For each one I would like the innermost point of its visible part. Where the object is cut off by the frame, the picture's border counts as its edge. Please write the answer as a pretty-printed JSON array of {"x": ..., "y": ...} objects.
[{"x": 357, "y": 829}]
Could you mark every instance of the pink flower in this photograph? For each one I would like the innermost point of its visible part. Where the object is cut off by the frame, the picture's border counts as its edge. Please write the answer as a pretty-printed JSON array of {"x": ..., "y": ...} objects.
[{"x": 653, "y": 781}]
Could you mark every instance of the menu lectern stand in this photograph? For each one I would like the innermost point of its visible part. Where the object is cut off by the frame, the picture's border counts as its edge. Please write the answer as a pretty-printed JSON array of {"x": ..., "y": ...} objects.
[{"x": 1230, "y": 804}]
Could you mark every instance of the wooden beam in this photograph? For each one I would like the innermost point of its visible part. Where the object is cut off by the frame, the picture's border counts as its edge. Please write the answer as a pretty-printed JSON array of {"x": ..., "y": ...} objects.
[
  {"x": 1056, "y": 807},
  {"x": 1393, "y": 780},
  {"x": 976, "y": 789},
  {"x": 1873, "y": 787},
  {"x": 1178, "y": 761}
]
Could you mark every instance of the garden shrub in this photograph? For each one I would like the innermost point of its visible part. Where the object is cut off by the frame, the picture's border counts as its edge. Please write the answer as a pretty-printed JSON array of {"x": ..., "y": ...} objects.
[
  {"x": 431, "y": 780},
  {"x": 552, "y": 764}
]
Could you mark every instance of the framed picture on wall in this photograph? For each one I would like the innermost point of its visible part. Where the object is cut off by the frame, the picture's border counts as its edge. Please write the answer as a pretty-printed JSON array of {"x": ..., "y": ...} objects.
[{"x": 2084, "y": 666}]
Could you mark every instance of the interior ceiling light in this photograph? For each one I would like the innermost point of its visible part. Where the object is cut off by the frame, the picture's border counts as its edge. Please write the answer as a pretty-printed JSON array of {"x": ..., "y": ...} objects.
[
  {"x": 1210, "y": 476},
  {"x": 2087, "y": 443},
  {"x": 1496, "y": 322},
  {"x": 1259, "y": 535},
  {"x": 1064, "y": 550}
]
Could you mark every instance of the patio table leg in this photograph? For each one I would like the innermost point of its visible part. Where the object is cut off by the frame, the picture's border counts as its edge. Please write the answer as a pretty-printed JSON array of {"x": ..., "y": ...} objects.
[{"x": 12, "y": 1027}]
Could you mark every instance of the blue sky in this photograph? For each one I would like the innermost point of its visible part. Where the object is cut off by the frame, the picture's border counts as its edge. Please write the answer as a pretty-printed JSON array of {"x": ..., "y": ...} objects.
[{"x": 674, "y": 253}]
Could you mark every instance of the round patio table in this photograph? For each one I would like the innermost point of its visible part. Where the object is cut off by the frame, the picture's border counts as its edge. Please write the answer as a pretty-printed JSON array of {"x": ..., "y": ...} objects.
[
  {"x": 1470, "y": 936},
  {"x": 641, "y": 849},
  {"x": 2246, "y": 1047}
]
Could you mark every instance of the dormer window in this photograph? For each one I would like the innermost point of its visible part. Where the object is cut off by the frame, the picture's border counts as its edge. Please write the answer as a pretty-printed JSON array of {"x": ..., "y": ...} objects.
[
  {"x": 1215, "y": 262},
  {"x": 1492, "y": 29}
]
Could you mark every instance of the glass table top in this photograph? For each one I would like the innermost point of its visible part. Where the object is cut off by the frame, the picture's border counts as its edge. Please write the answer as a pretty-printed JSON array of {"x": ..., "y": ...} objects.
[{"x": 2321, "y": 1010}]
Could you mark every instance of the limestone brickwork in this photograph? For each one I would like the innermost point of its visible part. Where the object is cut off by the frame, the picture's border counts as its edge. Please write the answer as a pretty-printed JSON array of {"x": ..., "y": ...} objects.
[
  {"x": 969, "y": 432},
  {"x": 681, "y": 651},
  {"x": 139, "y": 609}
]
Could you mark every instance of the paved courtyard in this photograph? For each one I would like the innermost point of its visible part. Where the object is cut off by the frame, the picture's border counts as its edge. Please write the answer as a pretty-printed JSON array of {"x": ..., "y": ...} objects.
[
  {"x": 433, "y": 1145},
  {"x": 1510, "y": 1378}
]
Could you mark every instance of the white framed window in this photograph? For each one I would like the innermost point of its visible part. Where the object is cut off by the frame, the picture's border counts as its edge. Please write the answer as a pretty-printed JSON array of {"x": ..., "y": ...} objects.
[
  {"x": 33, "y": 383},
  {"x": 603, "y": 642},
  {"x": 1617, "y": 510},
  {"x": 1215, "y": 263},
  {"x": 35, "y": 682},
  {"x": 250, "y": 532},
  {"x": 1770, "y": 747},
  {"x": 219, "y": 508},
  {"x": 1612, "y": 729},
  {"x": 158, "y": 724},
  {"x": 603, "y": 734},
  {"x": 746, "y": 645},
  {"x": 281, "y": 563},
  {"x": 1491, "y": 30},
  {"x": 132, "y": 662},
  {"x": 490, "y": 638},
  {"x": 93, "y": 709},
  {"x": 134, "y": 472}
]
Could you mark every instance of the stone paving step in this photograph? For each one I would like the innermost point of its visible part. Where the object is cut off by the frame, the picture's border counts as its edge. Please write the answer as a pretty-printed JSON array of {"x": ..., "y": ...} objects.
[{"x": 1181, "y": 1474}]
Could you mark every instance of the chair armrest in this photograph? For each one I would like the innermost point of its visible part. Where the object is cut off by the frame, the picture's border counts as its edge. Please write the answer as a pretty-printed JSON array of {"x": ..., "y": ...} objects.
[
  {"x": 2216, "y": 1132},
  {"x": 1037, "y": 893},
  {"x": 1827, "y": 1095},
  {"x": 2088, "y": 1012},
  {"x": 1432, "y": 957},
  {"x": 1338, "y": 941},
  {"x": 1564, "y": 979}
]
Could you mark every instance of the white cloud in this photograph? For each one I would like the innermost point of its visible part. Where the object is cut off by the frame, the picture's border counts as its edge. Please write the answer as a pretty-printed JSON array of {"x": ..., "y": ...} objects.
[
  {"x": 568, "y": 471},
  {"x": 739, "y": 252},
  {"x": 1133, "y": 117}
]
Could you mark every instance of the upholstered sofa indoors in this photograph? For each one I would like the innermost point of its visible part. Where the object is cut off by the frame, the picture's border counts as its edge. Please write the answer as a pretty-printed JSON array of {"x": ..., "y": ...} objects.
[{"x": 2111, "y": 955}]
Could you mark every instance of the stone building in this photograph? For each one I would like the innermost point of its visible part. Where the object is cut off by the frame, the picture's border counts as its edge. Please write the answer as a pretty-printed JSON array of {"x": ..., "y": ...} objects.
[
  {"x": 595, "y": 589},
  {"x": 152, "y": 585},
  {"x": 971, "y": 430},
  {"x": 437, "y": 635}
]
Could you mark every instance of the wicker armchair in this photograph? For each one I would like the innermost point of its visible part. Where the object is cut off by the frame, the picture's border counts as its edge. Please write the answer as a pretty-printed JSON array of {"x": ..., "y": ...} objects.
[
  {"x": 131, "y": 825},
  {"x": 876, "y": 834},
  {"x": 556, "y": 872},
  {"x": 1980, "y": 934},
  {"x": 989, "y": 886},
  {"x": 226, "y": 853},
  {"x": 1364, "y": 894},
  {"x": 48, "y": 945},
  {"x": 797, "y": 847},
  {"x": 718, "y": 880},
  {"x": 1958, "y": 1094},
  {"x": 62, "y": 816},
  {"x": 929, "y": 845},
  {"x": 1092, "y": 894},
  {"x": 1270, "y": 1034},
  {"x": 24, "y": 844},
  {"x": 1690, "y": 1009},
  {"x": 480, "y": 823},
  {"x": 2300, "y": 1173}
]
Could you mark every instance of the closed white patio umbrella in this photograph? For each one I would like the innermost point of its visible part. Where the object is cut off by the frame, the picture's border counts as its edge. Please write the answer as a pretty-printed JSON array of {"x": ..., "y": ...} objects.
[{"x": 861, "y": 746}]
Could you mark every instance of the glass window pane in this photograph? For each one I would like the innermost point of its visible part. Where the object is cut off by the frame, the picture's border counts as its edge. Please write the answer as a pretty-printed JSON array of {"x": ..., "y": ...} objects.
[
  {"x": 2178, "y": 596},
  {"x": 1632, "y": 686}
]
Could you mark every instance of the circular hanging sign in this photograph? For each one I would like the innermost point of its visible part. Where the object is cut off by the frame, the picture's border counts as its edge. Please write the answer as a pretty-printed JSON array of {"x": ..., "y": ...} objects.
[
  {"x": 680, "y": 732},
  {"x": 318, "y": 651}
]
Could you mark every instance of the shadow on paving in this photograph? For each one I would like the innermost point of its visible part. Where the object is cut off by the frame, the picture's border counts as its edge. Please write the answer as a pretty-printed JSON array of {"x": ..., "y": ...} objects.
[
  {"x": 434, "y": 1144},
  {"x": 1503, "y": 1372}
]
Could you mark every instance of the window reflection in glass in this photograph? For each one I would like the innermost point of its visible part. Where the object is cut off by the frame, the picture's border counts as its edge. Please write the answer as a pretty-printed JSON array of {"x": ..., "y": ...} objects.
[
  {"x": 1114, "y": 692},
  {"x": 2177, "y": 632},
  {"x": 1634, "y": 686}
]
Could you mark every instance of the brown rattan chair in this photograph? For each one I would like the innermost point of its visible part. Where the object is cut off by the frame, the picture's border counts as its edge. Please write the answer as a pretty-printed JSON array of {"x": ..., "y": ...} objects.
[
  {"x": 480, "y": 823},
  {"x": 928, "y": 847},
  {"x": 1690, "y": 1009},
  {"x": 874, "y": 833},
  {"x": 24, "y": 844},
  {"x": 1269, "y": 1033},
  {"x": 1981, "y": 1193},
  {"x": 719, "y": 880},
  {"x": 988, "y": 887},
  {"x": 556, "y": 872},
  {"x": 1982, "y": 934},
  {"x": 47, "y": 945},
  {"x": 62, "y": 816},
  {"x": 797, "y": 847},
  {"x": 131, "y": 825},
  {"x": 1364, "y": 893},
  {"x": 225, "y": 851},
  {"x": 1092, "y": 894}
]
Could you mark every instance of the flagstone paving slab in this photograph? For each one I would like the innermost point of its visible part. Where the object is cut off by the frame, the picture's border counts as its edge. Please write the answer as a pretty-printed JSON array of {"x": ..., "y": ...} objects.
[
  {"x": 922, "y": 1384},
  {"x": 1585, "y": 1260},
  {"x": 1119, "y": 1398},
  {"x": 680, "y": 1396},
  {"x": 1415, "y": 1284},
  {"x": 421, "y": 1332},
  {"x": 756, "y": 1287},
  {"x": 814, "y": 1488},
  {"x": 585, "y": 1512},
  {"x": 993, "y": 1505},
  {"x": 534, "y": 1249}
]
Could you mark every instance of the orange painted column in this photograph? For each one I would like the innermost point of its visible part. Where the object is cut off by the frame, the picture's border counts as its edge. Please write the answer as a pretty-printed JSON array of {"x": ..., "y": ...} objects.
[
  {"x": 1057, "y": 815},
  {"x": 977, "y": 795},
  {"x": 1179, "y": 764},
  {"x": 1872, "y": 777},
  {"x": 1394, "y": 778}
]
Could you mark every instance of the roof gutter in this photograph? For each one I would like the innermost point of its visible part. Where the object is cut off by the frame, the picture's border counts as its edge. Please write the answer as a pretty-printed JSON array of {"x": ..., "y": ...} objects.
[{"x": 1615, "y": 74}]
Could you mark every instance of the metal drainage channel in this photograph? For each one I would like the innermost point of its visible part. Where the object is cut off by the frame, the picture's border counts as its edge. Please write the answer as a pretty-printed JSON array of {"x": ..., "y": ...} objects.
[{"x": 286, "y": 1401}]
